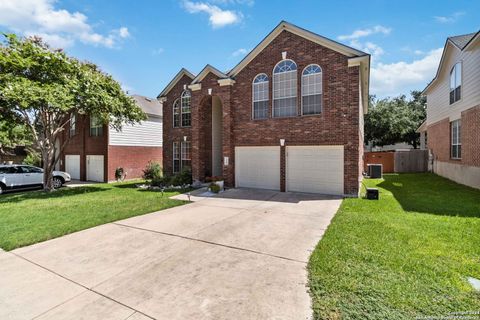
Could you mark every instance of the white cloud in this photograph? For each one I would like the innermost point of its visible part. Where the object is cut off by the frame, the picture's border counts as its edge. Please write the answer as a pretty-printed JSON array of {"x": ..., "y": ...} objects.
[
  {"x": 59, "y": 27},
  {"x": 449, "y": 19},
  {"x": 123, "y": 32},
  {"x": 217, "y": 17},
  {"x": 232, "y": 2},
  {"x": 400, "y": 77},
  {"x": 156, "y": 52},
  {"x": 360, "y": 33},
  {"x": 239, "y": 52}
]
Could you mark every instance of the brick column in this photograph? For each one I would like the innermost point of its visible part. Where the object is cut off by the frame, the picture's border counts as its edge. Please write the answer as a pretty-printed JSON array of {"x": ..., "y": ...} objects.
[
  {"x": 196, "y": 123},
  {"x": 283, "y": 164}
]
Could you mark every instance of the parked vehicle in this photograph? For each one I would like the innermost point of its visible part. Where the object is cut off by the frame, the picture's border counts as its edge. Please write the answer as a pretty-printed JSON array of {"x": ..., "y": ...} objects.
[{"x": 26, "y": 177}]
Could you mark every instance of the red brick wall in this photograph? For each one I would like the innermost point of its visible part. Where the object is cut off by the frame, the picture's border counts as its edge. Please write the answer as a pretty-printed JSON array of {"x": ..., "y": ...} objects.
[
  {"x": 439, "y": 138},
  {"x": 171, "y": 134},
  {"x": 132, "y": 159},
  {"x": 83, "y": 144},
  {"x": 337, "y": 125},
  {"x": 471, "y": 137}
]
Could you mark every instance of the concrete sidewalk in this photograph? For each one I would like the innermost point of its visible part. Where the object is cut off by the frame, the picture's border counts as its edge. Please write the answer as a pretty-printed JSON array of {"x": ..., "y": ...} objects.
[{"x": 239, "y": 255}]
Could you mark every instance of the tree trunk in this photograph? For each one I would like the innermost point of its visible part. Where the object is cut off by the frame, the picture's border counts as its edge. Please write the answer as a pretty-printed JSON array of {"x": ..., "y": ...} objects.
[{"x": 47, "y": 169}]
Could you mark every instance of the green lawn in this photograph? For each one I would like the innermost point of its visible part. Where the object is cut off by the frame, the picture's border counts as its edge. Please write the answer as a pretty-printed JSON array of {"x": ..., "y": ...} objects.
[
  {"x": 405, "y": 256},
  {"x": 30, "y": 217}
]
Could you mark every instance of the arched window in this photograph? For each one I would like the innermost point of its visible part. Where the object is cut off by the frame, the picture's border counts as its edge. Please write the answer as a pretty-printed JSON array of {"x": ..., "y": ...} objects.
[
  {"x": 260, "y": 96},
  {"x": 285, "y": 89},
  {"x": 176, "y": 113},
  {"x": 312, "y": 90},
  {"x": 456, "y": 83},
  {"x": 186, "y": 110}
]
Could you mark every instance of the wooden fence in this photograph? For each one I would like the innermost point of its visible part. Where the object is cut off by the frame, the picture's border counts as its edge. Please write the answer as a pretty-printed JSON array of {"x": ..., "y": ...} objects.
[{"x": 399, "y": 161}]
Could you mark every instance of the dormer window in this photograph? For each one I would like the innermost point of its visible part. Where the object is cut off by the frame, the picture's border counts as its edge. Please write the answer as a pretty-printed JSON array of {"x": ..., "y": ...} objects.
[{"x": 456, "y": 83}]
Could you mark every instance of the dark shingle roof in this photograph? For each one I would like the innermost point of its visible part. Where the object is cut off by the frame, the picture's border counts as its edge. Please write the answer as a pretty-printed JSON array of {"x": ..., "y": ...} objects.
[
  {"x": 462, "y": 40},
  {"x": 150, "y": 106}
]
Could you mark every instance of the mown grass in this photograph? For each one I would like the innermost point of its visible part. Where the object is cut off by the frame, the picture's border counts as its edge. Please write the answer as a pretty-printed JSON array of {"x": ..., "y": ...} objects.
[
  {"x": 31, "y": 217},
  {"x": 405, "y": 256}
]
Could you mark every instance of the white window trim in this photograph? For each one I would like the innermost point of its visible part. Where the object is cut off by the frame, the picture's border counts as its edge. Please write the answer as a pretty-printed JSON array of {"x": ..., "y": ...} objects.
[
  {"x": 461, "y": 82},
  {"x": 273, "y": 89},
  {"x": 73, "y": 125},
  {"x": 96, "y": 127},
  {"x": 173, "y": 157},
  {"x": 253, "y": 95},
  {"x": 181, "y": 109},
  {"x": 301, "y": 87},
  {"x": 459, "y": 136},
  {"x": 173, "y": 113}
]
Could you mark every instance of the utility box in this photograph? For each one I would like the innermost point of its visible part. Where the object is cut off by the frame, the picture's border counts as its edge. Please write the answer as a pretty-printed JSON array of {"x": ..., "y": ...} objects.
[
  {"x": 375, "y": 171},
  {"x": 372, "y": 193}
]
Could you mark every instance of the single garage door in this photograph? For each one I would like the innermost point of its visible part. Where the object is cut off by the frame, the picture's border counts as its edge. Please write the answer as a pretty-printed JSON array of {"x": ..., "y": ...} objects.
[
  {"x": 315, "y": 169},
  {"x": 257, "y": 167},
  {"x": 72, "y": 165},
  {"x": 95, "y": 168}
]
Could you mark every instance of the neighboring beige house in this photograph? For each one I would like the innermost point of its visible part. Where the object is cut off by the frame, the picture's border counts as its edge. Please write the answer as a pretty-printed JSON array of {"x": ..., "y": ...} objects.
[{"x": 453, "y": 111}]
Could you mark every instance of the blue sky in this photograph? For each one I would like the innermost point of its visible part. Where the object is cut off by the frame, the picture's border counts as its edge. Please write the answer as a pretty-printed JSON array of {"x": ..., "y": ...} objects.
[{"x": 143, "y": 44}]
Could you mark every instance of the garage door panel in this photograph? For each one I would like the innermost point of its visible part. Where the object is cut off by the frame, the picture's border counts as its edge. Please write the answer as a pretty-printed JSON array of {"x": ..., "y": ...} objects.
[
  {"x": 257, "y": 167},
  {"x": 72, "y": 165},
  {"x": 315, "y": 169},
  {"x": 95, "y": 167}
]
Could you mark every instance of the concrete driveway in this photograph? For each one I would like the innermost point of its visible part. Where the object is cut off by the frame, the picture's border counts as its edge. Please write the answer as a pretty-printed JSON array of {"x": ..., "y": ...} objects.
[{"x": 240, "y": 255}]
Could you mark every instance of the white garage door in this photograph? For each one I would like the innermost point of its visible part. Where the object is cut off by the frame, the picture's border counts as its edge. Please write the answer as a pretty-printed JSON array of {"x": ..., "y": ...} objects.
[
  {"x": 72, "y": 165},
  {"x": 257, "y": 167},
  {"x": 315, "y": 169},
  {"x": 95, "y": 168}
]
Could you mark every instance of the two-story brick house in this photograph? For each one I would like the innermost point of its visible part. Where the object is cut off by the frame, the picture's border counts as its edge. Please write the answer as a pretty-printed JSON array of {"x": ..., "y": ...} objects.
[
  {"x": 453, "y": 111},
  {"x": 94, "y": 150},
  {"x": 288, "y": 117}
]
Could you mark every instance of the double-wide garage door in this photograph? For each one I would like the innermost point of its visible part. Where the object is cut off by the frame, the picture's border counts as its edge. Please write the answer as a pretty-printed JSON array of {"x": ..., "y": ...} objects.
[{"x": 311, "y": 169}]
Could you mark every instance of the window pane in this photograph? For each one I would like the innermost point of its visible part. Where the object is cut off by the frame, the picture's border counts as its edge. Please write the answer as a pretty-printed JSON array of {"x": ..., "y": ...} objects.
[
  {"x": 312, "y": 104},
  {"x": 260, "y": 110},
  {"x": 452, "y": 79},
  {"x": 176, "y": 113},
  {"x": 285, "y": 107},
  {"x": 458, "y": 74}
]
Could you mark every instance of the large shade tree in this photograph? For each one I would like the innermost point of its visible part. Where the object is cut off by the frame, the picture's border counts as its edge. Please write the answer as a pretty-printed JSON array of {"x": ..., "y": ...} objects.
[
  {"x": 395, "y": 120},
  {"x": 41, "y": 87}
]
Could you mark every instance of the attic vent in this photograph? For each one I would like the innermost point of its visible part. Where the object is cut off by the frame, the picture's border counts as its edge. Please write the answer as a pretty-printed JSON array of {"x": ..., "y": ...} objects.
[{"x": 148, "y": 99}]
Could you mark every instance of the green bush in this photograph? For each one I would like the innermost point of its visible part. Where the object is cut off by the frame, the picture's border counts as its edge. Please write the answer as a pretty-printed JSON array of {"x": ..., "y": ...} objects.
[
  {"x": 214, "y": 187},
  {"x": 32, "y": 159},
  {"x": 161, "y": 181},
  {"x": 152, "y": 171},
  {"x": 182, "y": 178}
]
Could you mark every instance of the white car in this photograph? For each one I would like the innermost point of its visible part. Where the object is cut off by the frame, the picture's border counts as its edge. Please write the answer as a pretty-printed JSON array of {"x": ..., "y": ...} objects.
[{"x": 19, "y": 176}]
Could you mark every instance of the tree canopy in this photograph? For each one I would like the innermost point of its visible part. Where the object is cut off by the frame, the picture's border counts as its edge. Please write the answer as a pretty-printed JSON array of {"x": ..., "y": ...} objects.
[
  {"x": 395, "y": 120},
  {"x": 40, "y": 88}
]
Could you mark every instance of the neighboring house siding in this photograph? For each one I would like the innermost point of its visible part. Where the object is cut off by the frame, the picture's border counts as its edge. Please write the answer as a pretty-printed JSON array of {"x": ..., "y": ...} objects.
[
  {"x": 440, "y": 114},
  {"x": 438, "y": 96},
  {"x": 147, "y": 133},
  {"x": 83, "y": 144}
]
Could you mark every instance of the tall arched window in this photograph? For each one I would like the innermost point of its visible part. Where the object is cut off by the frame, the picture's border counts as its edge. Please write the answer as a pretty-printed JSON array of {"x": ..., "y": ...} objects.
[
  {"x": 312, "y": 90},
  {"x": 176, "y": 113},
  {"x": 456, "y": 83},
  {"x": 186, "y": 110},
  {"x": 285, "y": 89},
  {"x": 260, "y": 96}
]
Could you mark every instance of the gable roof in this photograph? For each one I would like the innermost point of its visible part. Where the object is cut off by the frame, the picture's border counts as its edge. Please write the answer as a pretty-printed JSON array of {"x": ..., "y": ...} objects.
[
  {"x": 206, "y": 70},
  {"x": 178, "y": 76},
  {"x": 460, "y": 42},
  {"x": 284, "y": 25},
  {"x": 150, "y": 106}
]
